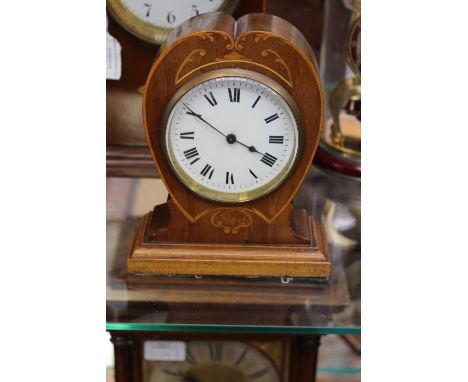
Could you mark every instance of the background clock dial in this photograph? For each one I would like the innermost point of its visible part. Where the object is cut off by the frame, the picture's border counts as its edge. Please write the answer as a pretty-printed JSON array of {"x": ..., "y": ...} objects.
[
  {"x": 232, "y": 138},
  {"x": 169, "y": 14},
  {"x": 152, "y": 19},
  {"x": 215, "y": 361}
]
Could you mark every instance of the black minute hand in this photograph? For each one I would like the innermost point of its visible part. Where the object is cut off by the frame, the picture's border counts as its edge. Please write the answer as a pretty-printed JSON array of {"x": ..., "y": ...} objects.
[
  {"x": 231, "y": 138},
  {"x": 191, "y": 112}
]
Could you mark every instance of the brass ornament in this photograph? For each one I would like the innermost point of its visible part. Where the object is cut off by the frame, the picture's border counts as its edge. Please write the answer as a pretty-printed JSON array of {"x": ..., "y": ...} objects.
[{"x": 231, "y": 219}]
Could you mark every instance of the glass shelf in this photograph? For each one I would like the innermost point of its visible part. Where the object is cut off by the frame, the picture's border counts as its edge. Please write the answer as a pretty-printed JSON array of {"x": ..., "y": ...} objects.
[{"x": 213, "y": 304}]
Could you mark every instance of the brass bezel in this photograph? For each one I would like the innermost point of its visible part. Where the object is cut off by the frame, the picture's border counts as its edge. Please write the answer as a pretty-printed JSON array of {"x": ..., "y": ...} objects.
[
  {"x": 229, "y": 197},
  {"x": 146, "y": 31}
]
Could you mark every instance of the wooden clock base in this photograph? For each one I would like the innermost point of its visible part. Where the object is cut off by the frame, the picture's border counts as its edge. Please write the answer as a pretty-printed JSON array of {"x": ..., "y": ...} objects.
[{"x": 167, "y": 243}]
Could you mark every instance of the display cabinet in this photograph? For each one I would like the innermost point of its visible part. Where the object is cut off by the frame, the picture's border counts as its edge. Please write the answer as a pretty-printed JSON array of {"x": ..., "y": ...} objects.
[
  {"x": 200, "y": 328},
  {"x": 277, "y": 321}
]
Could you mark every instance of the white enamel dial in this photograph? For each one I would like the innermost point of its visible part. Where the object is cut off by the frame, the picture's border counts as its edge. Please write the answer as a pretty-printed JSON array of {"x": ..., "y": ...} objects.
[
  {"x": 217, "y": 361},
  {"x": 169, "y": 14},
  {"x": 232, "y": 138}
]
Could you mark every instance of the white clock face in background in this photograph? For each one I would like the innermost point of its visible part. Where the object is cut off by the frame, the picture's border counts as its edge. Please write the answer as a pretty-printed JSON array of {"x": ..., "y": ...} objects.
[
  {"x": 170, "y": 13},
  {"x": 232, "y": 139}
]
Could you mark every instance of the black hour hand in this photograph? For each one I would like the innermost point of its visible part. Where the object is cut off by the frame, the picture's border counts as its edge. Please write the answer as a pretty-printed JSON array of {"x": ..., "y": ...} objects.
[
  {"x": 194, "y": 114},
  {"x": 191, "y": 112}
]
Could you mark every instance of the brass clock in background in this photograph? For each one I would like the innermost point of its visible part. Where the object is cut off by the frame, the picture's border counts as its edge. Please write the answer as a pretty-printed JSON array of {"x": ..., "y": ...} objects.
[
  {"x": 146, "y": 356},
  {"x": 216, "y": 361},
  {"x": 151, "y": 20}
]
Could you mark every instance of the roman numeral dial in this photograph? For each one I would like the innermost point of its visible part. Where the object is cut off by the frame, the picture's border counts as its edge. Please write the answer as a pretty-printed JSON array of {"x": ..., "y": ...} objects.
[
  {"x": 207, "y": 169},
  {"x": 229, "y": 178},
  {"x": 271, "y": 118},
  {"x": 216, "y": 351},
  {"x": 231, "y": 139},
  {"x": 211, "y": 99},
  {"x": 234, "y": 94},
  {"x": 256, "y": 101},
  {"x": 276, "y": 139},
  {"x": 269, "y": 159},
  {"x": 187, "y": 135},
  {"x": 192, "y": 153},
  {"x": 216, "y": 361}
]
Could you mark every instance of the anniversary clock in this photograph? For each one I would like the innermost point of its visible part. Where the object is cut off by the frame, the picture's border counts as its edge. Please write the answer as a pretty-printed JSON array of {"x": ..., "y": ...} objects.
[
  {"x": 341, "y": 145},
  {"x": 233, "y": 115}
]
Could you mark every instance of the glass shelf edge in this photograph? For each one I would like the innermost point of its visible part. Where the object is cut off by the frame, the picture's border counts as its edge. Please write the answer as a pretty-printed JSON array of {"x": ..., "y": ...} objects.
[
  {"x": 339, "y": 370},
  {"x": 231, "y": 328}
]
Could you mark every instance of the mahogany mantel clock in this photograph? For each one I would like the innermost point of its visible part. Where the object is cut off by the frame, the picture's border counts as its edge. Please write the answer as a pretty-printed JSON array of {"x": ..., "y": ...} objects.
[{"x": 233, "y": 115}]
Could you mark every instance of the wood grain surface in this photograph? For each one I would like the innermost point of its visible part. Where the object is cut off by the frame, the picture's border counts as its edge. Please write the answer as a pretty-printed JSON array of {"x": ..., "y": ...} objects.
[{"x": 190, "y": 249}]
